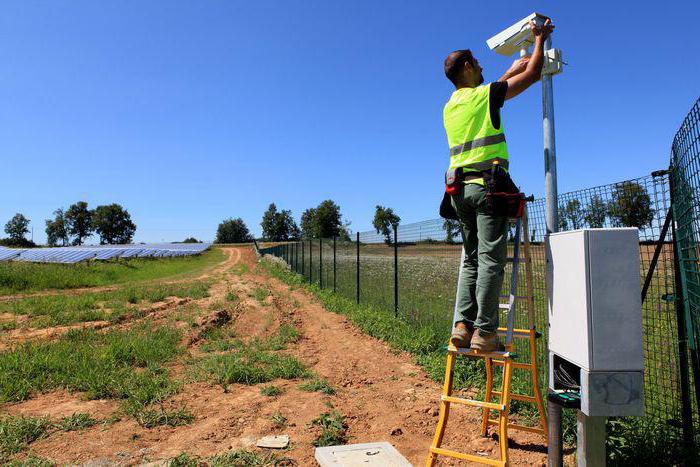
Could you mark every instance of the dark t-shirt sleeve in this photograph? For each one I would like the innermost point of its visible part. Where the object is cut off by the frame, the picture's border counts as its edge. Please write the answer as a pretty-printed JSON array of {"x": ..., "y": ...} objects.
[{"x": 497, "y": 98}]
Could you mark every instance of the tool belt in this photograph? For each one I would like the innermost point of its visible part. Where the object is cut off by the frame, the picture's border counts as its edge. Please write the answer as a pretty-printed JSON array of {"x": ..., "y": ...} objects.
[{"x": 502, "y": 195}]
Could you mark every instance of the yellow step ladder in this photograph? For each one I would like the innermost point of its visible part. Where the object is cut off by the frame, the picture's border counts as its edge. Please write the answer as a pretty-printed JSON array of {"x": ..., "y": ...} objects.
[{"x": 504, "y": 359}]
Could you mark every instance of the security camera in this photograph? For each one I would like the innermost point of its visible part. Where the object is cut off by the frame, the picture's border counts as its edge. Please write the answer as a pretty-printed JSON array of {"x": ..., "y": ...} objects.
[{"x": 517, "y": 37}]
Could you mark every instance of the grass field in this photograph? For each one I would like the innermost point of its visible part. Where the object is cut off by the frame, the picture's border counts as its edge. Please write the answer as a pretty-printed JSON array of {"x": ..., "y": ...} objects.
[{"x": 20, "y": 277}]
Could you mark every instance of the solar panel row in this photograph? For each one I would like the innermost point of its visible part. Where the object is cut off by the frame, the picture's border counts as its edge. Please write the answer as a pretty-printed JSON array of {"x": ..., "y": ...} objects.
[{"x": 76, "y": 254}]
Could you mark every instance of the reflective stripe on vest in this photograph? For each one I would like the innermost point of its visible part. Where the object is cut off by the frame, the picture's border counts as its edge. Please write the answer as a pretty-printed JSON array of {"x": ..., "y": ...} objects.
[
  {"x": 477, "y": 143},
  {"x": 473, "y": 140}
]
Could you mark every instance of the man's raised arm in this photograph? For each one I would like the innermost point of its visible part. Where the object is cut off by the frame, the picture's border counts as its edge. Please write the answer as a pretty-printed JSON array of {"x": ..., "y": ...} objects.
[{"x": 533, "y": 68}]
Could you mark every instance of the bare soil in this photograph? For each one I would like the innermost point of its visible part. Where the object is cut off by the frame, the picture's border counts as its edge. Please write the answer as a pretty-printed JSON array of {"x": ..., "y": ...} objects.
[{"x": 382, "y": 394}]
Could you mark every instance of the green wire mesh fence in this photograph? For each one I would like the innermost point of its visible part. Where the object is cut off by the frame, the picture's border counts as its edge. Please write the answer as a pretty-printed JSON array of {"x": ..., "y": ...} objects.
[{"x": 413, "y": 272}]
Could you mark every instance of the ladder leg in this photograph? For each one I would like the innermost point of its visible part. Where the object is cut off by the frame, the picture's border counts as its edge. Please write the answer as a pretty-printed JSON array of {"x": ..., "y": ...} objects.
[
  {"x": 503, "y": 418},
  {"x": 537, "y": 393},
  {"x": 487, "y": 397},
  {"x": 444, "y": 409}
]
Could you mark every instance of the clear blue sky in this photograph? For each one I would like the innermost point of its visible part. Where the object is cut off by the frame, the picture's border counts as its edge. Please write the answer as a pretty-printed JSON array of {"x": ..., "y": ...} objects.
[{"x": 189, "y": 112}]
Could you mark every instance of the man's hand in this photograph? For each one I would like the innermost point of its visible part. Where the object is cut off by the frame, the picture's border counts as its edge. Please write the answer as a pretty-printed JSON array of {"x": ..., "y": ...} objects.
[
  {"x": 516, "y": 68},
  {"x": 533, "y": 67},
  {"x": 542, "y": 32}
]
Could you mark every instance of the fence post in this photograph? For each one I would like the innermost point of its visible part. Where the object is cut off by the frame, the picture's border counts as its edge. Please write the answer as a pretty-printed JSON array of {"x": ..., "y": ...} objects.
[
  {"x": 686, "y": 404},
  {"x": 334, "y": 263},
  {"x": 357, "y": 244},
  {"x": 320, "y": 263},
  {"x": 396, "y": 269},
  {"x": 303, "y": 259},
  {"x": 311, "y": 263}
]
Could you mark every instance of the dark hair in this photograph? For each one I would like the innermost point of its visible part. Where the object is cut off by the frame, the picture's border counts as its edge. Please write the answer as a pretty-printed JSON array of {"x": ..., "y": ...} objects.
[{"x": 455, "y": 62}]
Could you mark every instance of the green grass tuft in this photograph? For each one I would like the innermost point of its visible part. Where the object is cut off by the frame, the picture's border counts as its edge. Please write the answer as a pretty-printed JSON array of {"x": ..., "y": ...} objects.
[
  {"x": 317, "y": 385},
  {"x": 16, "y": 433},
  {"x": 271, "y": 391},
  {"x": 333, "y": 429},
  {"x": 260, "y": 294},
  {"x": 278, "y": 420},
  {"x": 151, "y": 418},
  {"x": 75, "y": 422}
]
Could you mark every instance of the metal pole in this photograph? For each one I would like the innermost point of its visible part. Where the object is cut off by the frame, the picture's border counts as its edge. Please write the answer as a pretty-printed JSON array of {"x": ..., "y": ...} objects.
[
  {"x": 320, "y": 263},
  {"x": 396, "y": 270},
  {"x": 303, "y": 260},
  {"x": 311, "y": 263},
  {"x": 686, "y": 404},
  {"x": 554, "y": 451},
  {"x": 357, "y": 244},
  {"x": 550, "y": 152},
  {"x": 334, "y": 263}
]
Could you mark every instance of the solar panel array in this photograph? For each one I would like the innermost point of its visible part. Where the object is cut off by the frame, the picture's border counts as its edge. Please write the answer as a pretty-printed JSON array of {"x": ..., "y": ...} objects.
[{"x": 75, "y": 254}]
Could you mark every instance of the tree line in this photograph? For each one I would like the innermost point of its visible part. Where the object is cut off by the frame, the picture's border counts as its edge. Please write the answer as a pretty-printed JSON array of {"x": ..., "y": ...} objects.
[
  {"x": 72, "y": 226},
  {"x": 322, "y": 221}
]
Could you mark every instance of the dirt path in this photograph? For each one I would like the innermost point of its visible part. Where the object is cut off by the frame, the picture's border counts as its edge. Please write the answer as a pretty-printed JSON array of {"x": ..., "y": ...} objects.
[{"x": 382, "y": 395}]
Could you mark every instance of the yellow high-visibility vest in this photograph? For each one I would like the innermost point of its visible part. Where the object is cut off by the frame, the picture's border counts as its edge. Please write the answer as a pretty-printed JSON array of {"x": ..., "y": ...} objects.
[{"x": 474, "y": 142}]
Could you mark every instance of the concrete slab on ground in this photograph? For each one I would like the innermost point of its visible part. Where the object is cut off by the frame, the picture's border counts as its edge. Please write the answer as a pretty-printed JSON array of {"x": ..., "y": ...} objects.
[{"x": 361, "y": 455}]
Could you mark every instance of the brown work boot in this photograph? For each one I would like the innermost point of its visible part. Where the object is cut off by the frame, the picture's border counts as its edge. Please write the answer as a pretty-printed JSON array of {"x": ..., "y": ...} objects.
[
  {"x": 483, "y": 342},
  {"x": 461, "y": 336}
]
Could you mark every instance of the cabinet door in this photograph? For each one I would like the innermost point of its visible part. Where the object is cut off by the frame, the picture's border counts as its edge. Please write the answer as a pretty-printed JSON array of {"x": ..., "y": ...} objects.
[
  {"x": 568, "y": 316},
  {"x": 616, "y": 320}
]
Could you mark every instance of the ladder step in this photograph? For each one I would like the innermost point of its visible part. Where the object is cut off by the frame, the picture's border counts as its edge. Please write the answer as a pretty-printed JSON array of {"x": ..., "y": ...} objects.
[
  {"x": 517, "y": 397},
  {"x": 521, "y": 333},
  {"x": 530, "y": 429},
  {"x": 466, "y": 457},
  {"x": 473, "y": 403},
  {"x": 476, "y": 354},
  {"x": 517, "y": 297},
  {"x": 524, "y": 366}
]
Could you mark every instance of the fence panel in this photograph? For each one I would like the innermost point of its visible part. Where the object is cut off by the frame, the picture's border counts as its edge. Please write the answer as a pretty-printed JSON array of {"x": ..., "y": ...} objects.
[{"x": 428, "y": 261}]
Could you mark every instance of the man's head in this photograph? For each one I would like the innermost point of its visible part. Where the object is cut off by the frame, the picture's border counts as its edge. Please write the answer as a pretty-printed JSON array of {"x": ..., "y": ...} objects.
[{"x": 463, "y": 69}]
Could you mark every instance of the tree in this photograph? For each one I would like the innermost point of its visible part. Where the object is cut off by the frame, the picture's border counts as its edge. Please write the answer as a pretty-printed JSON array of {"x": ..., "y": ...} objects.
[
  {"x": 233, "y": 231},
  {"x": 563, "y": 221},
  {"x": 596, "y": 212},
  {"x": 57, "y": 230},
  {"x": 113, "y": 224},
  {"x": 17, "y": 227},
  {"x": 278, "y": 226},
  {"x": 384, "y": 221},
  {"x": 574, "y": 214},
  {"x": 324, "y": 221},
  {"x": 451, "y": 228},
  {"x": 78, "y": 219},
  {"x": 191, "y": 240},
  {"x": 630, "y": 206}
]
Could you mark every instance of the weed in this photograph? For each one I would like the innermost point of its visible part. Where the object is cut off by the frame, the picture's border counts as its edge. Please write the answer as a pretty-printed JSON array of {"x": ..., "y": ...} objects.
[
  {"x": 8, "y": 326},
  {"x": 243, "y": 458},
  {"x": 29, "y": 461},
  {"x": 75, "y": 422},
  {"x": 270, "y": 391},
  {"x": 16, "y": 433},
  {"x": 151, "y": 418},
  {"x": 240, "y": 268},
  {"x": 231, "y": 296},
  {"x": 249, "y": 366},
  {"x": 317, "y": 385},
  {"x": 286, "y": 334},
  {"x": 278, "y": 420},
  {"x": 183, "y": 460},
  {"x": 260, "y": 294},
  {"x": 333, "y": 429}
]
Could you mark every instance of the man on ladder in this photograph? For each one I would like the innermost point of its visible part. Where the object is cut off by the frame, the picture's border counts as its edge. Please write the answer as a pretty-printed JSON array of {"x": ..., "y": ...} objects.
[{"x": 478, "y": 170}]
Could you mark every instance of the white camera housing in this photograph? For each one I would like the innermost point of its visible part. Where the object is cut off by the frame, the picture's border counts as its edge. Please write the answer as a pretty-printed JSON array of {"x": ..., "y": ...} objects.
[{"x": 516, "y": 37}]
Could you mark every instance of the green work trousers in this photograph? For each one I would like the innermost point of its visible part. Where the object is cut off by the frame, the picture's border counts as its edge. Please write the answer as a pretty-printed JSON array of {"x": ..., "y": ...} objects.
[{"x": 485, "y": 250}]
